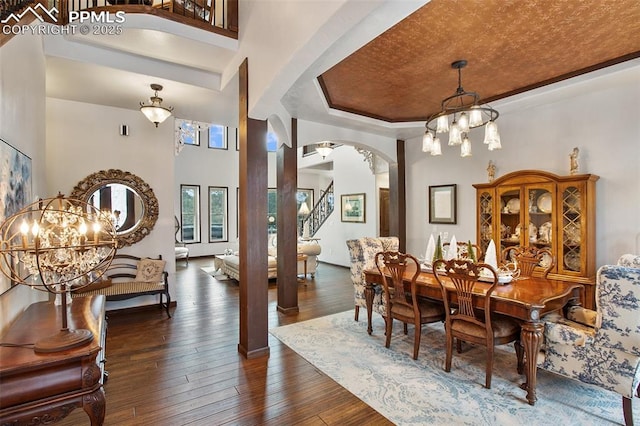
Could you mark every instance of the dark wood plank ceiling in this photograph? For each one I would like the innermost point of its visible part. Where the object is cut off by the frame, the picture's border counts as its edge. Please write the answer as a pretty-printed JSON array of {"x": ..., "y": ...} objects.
[{"x": 511, "y": 47}]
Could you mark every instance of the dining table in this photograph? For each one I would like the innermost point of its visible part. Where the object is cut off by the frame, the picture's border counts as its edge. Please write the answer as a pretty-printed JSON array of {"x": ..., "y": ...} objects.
[{"x": 526, "y": 300}]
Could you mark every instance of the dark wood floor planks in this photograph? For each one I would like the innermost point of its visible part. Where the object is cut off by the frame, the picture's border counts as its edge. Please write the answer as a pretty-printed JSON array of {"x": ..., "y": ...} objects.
[{"x": 187, "y": 370}]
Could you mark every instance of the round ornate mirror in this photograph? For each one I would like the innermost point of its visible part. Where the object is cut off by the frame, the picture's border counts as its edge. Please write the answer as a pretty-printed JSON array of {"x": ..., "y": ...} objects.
[{"x": 128, "y": 199}]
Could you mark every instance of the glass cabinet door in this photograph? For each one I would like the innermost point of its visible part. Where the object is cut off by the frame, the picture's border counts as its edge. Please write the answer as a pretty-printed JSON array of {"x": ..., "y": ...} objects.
[
  {"x": 510, "y": 204},
  {"x": 485, "y": 219},
  {"x": 539, "y": 217},
  {"x": 570, "y": 253}
]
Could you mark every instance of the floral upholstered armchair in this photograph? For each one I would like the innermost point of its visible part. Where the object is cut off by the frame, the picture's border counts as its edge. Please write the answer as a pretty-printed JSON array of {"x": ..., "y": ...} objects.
[
  {"x": 602, "y": 347},
  {"x": 362, "y": 252},
  {"x": 629, "y": 260}
]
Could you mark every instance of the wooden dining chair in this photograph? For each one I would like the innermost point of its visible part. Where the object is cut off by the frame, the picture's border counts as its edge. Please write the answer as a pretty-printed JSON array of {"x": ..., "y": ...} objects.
[
  {"x": 401, "y": 304},
  {"x": 463, "y": 250},
  {"x": 527, "y": 258},
  {"x": 470, "y": 318}
]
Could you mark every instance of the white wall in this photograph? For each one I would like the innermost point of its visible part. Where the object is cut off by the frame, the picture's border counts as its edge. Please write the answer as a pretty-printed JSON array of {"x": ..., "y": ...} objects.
[
  {"x": 22, "y": 124},
  {"x": 318, "y": 181},
  {"x": 200, "y": 165},
  {"x": 598, "y": 115},
  {"x": 312, "y": 133},
  {"x": 84, "y": 138},
  {"x": 351, "y": 175}
]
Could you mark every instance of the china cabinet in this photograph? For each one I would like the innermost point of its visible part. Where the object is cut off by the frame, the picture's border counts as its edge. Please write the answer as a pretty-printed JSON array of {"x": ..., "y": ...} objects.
[{"x": 541, "y": 209}]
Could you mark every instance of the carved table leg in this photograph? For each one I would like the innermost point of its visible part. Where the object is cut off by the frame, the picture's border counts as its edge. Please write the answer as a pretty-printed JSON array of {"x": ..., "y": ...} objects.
[
  {"x": 531, "y": 338},
  {"x": 368, "y": 297},
  {"x": 95, "y": 406}
]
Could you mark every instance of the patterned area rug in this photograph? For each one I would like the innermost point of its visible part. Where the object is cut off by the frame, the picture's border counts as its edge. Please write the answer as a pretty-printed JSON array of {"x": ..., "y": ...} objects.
[{"x": 420, "y": 392}]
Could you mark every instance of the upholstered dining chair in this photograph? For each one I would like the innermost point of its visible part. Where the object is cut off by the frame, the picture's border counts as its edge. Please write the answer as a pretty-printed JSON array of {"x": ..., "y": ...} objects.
[
  {"x": 463, "y": 250},
  {"x": 465, "y": 322},
  {"x": 362, "y": 253},
  {"x": 402, "y": 305},
  {"x": 601, "y": 347},
  {"x": 527, "y": 258}
]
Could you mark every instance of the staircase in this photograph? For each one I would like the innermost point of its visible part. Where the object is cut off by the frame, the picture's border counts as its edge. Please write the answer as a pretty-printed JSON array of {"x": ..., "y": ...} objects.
[{"x": 320, "y": 212}]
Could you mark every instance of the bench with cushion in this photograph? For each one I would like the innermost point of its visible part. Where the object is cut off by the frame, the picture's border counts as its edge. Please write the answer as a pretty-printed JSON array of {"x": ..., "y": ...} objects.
[{"x": 131, "y": 276}]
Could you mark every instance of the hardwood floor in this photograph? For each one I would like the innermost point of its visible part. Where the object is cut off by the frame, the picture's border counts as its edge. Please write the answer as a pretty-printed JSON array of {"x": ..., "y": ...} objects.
[{"x": 187, "y": 369}]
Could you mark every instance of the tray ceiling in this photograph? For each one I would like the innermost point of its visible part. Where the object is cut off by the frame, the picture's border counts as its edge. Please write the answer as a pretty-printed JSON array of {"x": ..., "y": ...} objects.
[{"x": 510, "y": 46}]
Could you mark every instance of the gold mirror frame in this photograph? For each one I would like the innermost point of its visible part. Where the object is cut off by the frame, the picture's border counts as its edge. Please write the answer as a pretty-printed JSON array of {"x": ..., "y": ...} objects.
[{"x": 89, "y": 185}]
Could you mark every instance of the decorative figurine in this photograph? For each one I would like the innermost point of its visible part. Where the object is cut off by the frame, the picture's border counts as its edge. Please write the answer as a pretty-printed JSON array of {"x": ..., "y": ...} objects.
[
  {"x": 491, "y": 171},
  {"x": 574, "y": 161}
]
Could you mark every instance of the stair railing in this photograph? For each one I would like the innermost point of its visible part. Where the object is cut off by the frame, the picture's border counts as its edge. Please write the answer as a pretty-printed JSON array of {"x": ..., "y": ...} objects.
[{"x": 321, "y": 211}]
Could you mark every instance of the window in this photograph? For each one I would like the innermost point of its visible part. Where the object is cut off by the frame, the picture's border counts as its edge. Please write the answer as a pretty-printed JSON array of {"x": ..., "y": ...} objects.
[
  {"x": 304, "y": 195},
  {"x": 217, "y": 137},
  {"x": 217, "y": 214},
  {"x": 272, "y": 142},
  {"x": 188, "y": 132},
  {"x": 272, "y": 211},
  {"x": 190, "y": 213}
]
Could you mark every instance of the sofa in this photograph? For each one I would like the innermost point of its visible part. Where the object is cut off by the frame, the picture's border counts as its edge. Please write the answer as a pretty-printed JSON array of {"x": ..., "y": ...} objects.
[{"x": 229, "y": 264}]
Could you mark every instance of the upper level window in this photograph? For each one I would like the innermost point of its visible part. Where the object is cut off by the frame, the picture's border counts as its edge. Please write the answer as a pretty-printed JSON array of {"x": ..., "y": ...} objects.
[
  {"x": 272, "y": 142},
  {"x": 188, "y": 132},
  {"x": 217, "y": 136}
]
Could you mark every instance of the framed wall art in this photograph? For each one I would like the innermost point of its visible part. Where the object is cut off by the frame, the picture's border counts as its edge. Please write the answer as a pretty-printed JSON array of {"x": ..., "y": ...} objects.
[
  {"x": 15, "y": 188},
  {"x": 353, "y": 208},
  {"x": 442, "y": 204}
]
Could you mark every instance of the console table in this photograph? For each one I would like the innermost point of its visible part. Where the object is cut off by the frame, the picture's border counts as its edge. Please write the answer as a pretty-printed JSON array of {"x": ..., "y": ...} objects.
[{"x": 44, "y": 388}]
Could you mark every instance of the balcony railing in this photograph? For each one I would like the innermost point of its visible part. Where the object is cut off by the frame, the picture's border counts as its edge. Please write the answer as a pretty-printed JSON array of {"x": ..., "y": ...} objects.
[{"x": 219, "y": 16}]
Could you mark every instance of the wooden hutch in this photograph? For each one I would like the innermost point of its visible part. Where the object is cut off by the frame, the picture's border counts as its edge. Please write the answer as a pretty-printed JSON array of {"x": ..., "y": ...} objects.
[{"x": 532, "y": 207}]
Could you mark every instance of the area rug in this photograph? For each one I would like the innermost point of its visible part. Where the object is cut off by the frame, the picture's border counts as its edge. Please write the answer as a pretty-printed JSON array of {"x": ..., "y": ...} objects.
[
  {"x": 215, "y": 273},
  {"x": 420, "y": 392}
]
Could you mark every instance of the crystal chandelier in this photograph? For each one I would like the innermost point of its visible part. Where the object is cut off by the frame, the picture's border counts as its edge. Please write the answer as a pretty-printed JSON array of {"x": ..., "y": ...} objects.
[
  {"x": 57, "y": 245},
  {"x": 460, "y": 113},
  {"x": 155, "y": 112}
]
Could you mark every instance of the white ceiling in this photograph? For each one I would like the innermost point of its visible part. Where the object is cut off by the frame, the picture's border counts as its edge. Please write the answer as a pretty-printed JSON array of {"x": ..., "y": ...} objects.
[{"x": 117, "y": 70}]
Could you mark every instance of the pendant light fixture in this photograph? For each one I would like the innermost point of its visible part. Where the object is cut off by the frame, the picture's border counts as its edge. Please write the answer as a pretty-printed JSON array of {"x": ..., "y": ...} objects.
[
  {"x": 460, "y": 113},
  {"x": 324, "y": 149},
  {"x": 155, "y": 112}
]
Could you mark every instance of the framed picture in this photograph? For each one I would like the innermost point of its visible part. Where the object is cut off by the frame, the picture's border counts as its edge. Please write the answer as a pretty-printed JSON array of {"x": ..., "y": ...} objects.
[
  {"x": 16, "y": 168},
  {"x": 442, "y": 204},
  {"x": 353, "y": 208}
]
